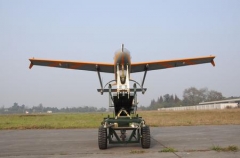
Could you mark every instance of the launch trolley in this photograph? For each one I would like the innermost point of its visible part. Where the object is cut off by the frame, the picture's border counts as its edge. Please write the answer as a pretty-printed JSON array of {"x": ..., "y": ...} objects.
[{"x": 125, "y": 126}]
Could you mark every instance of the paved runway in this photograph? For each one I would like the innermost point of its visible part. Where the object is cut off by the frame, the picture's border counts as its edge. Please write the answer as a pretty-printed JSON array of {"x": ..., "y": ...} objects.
[{"x": 190, "y": 141}]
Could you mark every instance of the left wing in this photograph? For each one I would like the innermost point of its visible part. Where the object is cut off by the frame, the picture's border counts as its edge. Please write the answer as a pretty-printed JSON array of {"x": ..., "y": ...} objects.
[
  {"x": 163, "y": 64},
  {"x": 78, "y": 65}
]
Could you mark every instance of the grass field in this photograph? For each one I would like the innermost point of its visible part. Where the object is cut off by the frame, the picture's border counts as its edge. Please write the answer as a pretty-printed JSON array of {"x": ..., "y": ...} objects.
[
  {"x": 93, "y": 120},
  {"x": 191, "y": 118}
]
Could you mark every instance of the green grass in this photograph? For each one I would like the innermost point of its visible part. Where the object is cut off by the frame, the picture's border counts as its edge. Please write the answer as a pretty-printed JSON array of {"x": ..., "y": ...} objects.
[
  {"x": 191, "y": 118},
  {"x": 93, "y": 120},
  {"x": 51, "y": 121},
  {"x": 169, "y": 149},
  {"x": 137, "y": 151},
  {"x": 230, "y": 148},
  {"x": 233, "y": 148},
  {"x": 216, "y": 148}
]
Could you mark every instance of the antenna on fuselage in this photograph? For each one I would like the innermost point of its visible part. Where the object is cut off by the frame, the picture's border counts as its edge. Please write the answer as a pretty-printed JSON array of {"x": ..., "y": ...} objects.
[{"x": 122, "y": 47}]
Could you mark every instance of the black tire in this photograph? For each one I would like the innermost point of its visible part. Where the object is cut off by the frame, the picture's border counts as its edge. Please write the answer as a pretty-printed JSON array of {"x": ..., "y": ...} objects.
[
  {"x": 102, "y": 138},
  {"x": 146, "y": 138}
]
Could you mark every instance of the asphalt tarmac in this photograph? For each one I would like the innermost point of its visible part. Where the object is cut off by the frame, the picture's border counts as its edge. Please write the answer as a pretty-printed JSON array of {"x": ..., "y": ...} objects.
[{"x": 190, "y": 141}]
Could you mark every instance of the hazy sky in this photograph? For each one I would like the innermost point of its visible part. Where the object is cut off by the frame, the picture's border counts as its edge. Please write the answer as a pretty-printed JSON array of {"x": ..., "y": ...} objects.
[{"x": 92, "y": 31}]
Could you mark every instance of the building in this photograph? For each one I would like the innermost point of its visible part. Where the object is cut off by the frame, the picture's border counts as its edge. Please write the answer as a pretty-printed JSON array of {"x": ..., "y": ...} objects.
[
  {"x": 222, "y": 101},
  {"x": 220, "y": 104}
]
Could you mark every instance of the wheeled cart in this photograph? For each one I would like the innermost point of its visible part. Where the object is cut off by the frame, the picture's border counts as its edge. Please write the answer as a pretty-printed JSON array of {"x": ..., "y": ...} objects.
[{"x": 123, "y": 130}]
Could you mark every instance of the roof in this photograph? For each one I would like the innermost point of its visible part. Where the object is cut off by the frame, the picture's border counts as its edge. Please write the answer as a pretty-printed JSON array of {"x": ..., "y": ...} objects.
[{"x": 221, "y": 101}]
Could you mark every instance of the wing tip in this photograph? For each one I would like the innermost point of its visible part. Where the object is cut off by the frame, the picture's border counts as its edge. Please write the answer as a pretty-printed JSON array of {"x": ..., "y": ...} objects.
[
  {"x": 213, "y": 63},
  {"x": 30, "y": 66}
]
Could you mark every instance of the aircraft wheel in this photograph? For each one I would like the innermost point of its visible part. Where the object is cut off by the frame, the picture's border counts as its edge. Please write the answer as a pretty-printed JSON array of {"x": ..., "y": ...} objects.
[
  {"x": 102, "y": 138},
  {"x": 145, "y": 139}
]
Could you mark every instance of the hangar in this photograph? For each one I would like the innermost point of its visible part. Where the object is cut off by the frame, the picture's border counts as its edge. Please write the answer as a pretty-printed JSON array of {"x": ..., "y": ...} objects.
[
  {"x": 220, "y": 104},
  {"x": 237, "y": 100}
]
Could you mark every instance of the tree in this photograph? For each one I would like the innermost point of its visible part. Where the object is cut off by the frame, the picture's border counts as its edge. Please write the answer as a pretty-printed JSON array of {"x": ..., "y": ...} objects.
[
  {"x": 102, "y": 110},
  {"x": 14, "y": 108},
  {"x": 166, "y": 98},
  {"x": 214, "y": 95},
  {"x": 40, "y": 107},
  {"x": 193, "y": 96},
  {"x": 161, "y": 100},
  {"x": 171, "y": 99},
  {"x": 2, "y": 109},
  {"x": 176, "y": 100},
  {"x": 153, "y": 102}
]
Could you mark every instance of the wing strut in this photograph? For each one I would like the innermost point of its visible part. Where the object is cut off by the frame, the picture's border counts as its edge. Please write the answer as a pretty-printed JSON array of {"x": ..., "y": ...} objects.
[
  {"x": 100, "y": 80},
  {"x": 145, "y": 73}
]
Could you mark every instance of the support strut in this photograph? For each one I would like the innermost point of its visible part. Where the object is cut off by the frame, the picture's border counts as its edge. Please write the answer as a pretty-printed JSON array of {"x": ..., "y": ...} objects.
[
  {"x": 99, "y": 77},
  {"x": 145, "y": 73}
]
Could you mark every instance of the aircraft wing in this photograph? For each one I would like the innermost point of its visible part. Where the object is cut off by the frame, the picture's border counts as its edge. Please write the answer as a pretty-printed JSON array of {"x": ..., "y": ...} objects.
[
  {"x": 163, "y": 64},
  {"x": 78, "y": 65}
]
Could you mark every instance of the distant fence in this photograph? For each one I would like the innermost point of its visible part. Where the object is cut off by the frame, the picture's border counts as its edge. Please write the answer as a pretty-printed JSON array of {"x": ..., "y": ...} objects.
[{"x": 201, "y": 107}]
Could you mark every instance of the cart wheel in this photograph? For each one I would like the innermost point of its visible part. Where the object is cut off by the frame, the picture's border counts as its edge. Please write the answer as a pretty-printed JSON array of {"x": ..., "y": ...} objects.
[
  {"x": 145, "y": 139},
  {"x": 102, "y": 138}
]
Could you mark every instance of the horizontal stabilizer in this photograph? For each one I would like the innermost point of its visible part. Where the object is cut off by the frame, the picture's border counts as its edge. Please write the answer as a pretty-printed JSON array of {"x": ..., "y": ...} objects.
[{"x": 131, "y": 90}]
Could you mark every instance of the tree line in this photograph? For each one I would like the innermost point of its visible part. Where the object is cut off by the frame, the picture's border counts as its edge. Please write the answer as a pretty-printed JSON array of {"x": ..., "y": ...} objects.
[
  {"x": 191, "y": 96},
  {"x": 18, "y": 109}
]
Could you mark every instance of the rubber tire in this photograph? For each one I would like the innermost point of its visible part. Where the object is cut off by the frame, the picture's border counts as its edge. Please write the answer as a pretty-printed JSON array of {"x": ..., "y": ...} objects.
[
  {"x": 102, "y": 138},
  {"x": 146, "y": 138}
]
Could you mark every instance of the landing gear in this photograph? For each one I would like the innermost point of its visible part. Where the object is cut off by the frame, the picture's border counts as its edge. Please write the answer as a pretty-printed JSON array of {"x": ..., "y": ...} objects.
[
  {"x": 102, "y": 137},
  {"x": 125, "y": 129},
  {"x": 145, "y": 139}
]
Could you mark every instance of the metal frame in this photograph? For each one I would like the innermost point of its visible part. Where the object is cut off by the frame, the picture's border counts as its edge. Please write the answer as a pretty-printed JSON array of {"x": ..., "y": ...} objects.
[
  {"x": 113, "y": 134},
  {"x": 128, "y": 126},
  {"x": 125, "y": 126}
]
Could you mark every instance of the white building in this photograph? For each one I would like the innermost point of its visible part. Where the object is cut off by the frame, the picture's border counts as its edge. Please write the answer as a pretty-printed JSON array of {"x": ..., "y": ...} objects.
[
  {"x": 220, "y": 104},
  {"x": 201, "y": 107}
]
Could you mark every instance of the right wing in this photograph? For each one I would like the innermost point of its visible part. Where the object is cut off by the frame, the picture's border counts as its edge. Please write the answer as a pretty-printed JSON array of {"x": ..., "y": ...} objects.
[
  {"x": 164, "y": 64},
  {"x": 78, "y": 65}
]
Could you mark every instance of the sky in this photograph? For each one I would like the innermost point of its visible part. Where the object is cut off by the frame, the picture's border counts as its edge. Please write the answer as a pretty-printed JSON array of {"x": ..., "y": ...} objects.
[{"x": 93, "y": 30}]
